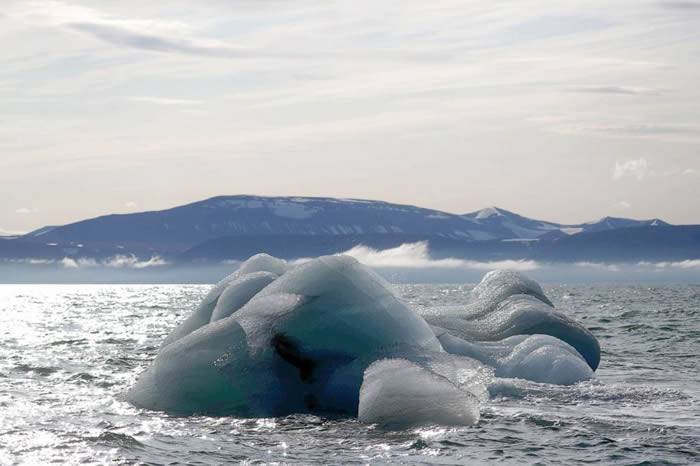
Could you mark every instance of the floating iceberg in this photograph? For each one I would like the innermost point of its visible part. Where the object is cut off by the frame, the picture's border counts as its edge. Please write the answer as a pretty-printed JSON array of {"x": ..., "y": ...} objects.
[
  {"x": 539, "y": 358},
  {"x": 331, "y": 336},
  {"x": 398, "y": 392},
  {"x": 505, "y": 304},
  {"x": 203, "y": 314}
]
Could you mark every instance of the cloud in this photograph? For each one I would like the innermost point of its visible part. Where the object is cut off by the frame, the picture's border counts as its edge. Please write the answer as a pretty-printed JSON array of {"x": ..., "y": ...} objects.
[
  {"x": 623, "y": 90},
  {"x": 416, "y": 255},
  {"x": 148, "y": 35},
  {"x": 79, "y": 66},
  {"x": 623, "y": 205},
  {"x": 24, "y": 211},
  {"x": 144, "y": 40},
  {"x": 688, "y": 264},
  {"x": 598, "y": 266},
  {"x": 4, "y": 232},
  {"x": 570, "y": 124},
  {"x": 645, "y": 130},
  {"x": 130, "y": 204},
  {"x": 306, "y": 133},
  {"x": 195, "y": 112},
  {"x": 166, "y": 101},
  {"x": 69, "y": 263},
  {"x": 121, "y": 261},
  {"x": 681, "y": 5},
  {"x": 142, "y": 34},
  {"x": 38, "y": 261},
  {"x": 638, "y": 168},
  {"x": 641, "y": 169},
  {"x": 118, "y": 261}
]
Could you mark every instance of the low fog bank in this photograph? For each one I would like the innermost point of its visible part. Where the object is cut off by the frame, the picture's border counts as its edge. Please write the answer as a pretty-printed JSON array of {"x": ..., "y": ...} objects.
[
  {"x": 211, "y": 273},
  {"x": 407, "y": 263}
]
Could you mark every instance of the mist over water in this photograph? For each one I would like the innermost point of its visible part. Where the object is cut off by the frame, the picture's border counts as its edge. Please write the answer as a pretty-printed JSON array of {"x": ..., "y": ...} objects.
[
  {"x": 69, "y": 352},
  {"x": 426, "y": 272}
]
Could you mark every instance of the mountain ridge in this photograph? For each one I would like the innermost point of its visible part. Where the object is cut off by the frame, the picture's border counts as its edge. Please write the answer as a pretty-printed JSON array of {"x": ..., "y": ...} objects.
[
  {"x": 322, "y": 224},
  {"x": 527, "y": 228}
]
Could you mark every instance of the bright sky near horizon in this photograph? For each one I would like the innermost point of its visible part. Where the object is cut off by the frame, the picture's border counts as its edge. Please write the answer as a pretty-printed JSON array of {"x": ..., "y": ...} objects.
[{"x": 564, "y": 111}]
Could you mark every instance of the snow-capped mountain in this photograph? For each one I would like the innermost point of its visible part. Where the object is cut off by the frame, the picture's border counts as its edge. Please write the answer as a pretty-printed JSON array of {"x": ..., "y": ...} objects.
[
  {"x": 298, "y": 225},
  {"x": 615, "y": 223},
  {"x": 509, "y": 225},
  {"x": 184, "y": 226}
]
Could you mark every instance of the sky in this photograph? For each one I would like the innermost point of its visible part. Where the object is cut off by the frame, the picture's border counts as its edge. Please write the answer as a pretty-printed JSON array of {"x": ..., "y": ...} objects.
[{"x": 566, "y": 111}]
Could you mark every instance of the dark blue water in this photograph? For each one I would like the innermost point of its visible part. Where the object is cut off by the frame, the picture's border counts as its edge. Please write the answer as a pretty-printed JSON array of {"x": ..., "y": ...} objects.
[{"x": 67, "y": 352}]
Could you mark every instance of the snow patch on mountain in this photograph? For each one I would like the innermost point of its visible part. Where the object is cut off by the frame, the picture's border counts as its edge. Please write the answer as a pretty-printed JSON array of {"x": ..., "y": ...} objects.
[
  {"x": 488, "y": 213},
  {"x": 571, "y": 230}
]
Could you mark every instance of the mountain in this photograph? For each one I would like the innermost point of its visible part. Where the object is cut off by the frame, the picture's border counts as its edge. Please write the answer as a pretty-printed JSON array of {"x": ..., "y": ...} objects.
[
  {"x": 615, "y": 223},
  {"x": 176, "y": 229},
  {"x": 235, "y": 227},
  {"x": 512, "y": 225},
  {"x": 633, "y": 244},
  {"x": 296, "y": 246},
  {"x": 640, "y": 243}
]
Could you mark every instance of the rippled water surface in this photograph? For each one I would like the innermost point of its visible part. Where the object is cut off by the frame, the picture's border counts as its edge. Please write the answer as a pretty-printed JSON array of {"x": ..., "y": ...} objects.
[{"x": 68, "y": 352}]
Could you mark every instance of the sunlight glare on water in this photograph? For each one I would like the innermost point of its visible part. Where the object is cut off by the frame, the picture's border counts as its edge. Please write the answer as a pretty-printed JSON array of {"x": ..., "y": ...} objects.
[{"x": 69, "y": 351}]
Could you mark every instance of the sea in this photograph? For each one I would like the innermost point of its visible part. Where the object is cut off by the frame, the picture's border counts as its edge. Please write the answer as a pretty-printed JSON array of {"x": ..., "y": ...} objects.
[{"x": 68, "y": 353}]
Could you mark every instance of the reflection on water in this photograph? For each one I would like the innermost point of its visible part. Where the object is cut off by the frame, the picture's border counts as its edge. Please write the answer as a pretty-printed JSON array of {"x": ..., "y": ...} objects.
[{"x": 68, "y": 351}]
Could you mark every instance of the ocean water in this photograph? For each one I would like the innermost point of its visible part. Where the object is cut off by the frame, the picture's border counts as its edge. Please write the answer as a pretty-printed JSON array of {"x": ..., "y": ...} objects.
[{"x": 67, "y": 353}]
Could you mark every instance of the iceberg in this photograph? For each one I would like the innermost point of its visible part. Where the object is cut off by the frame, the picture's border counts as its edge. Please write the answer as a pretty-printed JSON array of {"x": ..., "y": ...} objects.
[
  {"x": 203, "y": 313},
  {"x": 539, "y": 358},
  {"x": 331, "y": 336},
  {"x": 400, "y": 393},
  {"x": 505, "y": 304},
  {"x": 277, "y": 351}
]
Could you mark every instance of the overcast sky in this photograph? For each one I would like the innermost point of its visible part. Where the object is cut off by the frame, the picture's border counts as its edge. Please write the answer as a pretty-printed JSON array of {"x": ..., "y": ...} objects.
[{"x": 566, "y": 111}]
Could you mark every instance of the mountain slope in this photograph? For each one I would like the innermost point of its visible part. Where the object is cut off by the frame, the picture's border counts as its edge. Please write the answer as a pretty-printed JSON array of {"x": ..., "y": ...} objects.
[
  {"x": 511, "y": 225},
  {"x": 176, "y": 229},
  {"x": 634, "y": 244},
  {"x": 232, "y": 227},
  {"x": 639, "y": 243}
]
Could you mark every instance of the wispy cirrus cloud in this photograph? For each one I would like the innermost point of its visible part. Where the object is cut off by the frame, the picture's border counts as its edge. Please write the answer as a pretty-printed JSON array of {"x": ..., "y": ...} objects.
[
  {"x": 113, "y": 86},
  {"x": 132, "y": 37},
  {"x": 682, "y": 5},
  {"x": 576, "y": 125},
  {"x": 155, "y": 35},
  {"x": 621, "y": 90},
  {"x": 166, "y": 101}
]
